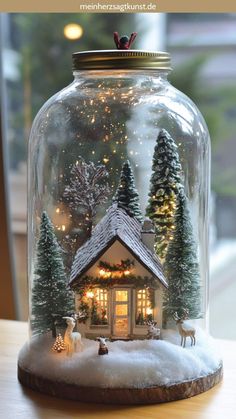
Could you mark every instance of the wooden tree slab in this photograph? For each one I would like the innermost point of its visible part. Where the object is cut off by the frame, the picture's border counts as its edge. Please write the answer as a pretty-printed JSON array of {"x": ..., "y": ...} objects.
[{"x": 130, "y": 396}]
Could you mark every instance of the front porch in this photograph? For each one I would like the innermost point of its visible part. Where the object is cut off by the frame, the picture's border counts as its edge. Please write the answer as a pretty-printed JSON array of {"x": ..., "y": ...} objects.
[{"x": 120, "y": 313}]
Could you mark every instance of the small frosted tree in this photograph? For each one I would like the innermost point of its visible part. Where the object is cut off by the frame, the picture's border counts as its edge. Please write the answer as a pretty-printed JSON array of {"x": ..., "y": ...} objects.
[
  {"x": 126, "y": 195},
  {"x": 164, "y": 185},
  {"x": 181, "y": 267},
  {"x": 87, "y": 190},
  {"x": 51, "y": 298}
]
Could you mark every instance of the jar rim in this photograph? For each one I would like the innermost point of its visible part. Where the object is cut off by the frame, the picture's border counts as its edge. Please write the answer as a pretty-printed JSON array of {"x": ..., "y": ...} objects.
[{"x": 121, "y": 59}]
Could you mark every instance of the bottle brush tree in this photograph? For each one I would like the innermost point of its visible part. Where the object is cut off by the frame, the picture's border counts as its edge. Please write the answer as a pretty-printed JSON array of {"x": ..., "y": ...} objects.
[
  {"x": 126, "y": 195},
  {"x": 164, "y": 186},
  {"x": 181, "y": 267},
  {"x": 51, "y": 299}
]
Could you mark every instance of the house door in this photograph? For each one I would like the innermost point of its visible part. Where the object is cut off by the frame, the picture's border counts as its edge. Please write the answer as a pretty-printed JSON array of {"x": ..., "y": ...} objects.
[{"x": 121, "y": 312}]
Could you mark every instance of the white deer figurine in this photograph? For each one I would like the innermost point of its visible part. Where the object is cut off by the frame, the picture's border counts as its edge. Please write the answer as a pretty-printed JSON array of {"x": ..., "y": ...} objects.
[
  {"x": 153, "y": 330},
  {"x": 72, "y": 339},
  {"x": 185, "y": 330}
]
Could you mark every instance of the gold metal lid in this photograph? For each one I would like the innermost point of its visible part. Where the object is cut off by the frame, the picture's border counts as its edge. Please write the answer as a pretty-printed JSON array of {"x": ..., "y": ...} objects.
[{"x": 121, "y": 59}]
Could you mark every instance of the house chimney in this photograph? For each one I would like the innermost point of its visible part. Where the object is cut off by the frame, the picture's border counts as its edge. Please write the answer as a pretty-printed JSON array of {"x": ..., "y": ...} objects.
[{"x": 148, "y": 234}]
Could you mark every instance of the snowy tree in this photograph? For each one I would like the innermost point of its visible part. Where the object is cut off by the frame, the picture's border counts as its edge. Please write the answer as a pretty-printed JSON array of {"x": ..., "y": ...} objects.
[
  {"x": 126, "y": 195},
  {"x": 181, "y": 266},
  {"x": 51, "y": 299},
  {"x": 165, "y": 183},
  {"x": 88, "y": 188}
]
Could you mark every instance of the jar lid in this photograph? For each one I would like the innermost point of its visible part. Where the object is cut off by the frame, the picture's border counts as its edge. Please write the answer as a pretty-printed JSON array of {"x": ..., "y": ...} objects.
[{"x": 121, "y": 59}]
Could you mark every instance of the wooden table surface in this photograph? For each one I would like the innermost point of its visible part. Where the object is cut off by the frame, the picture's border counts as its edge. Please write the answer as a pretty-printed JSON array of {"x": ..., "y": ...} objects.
[{"x": 17, "y": 402}]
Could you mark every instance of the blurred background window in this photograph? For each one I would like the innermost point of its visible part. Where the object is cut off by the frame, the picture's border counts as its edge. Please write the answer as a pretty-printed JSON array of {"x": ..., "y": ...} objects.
[{"x": 36, "y": 55}]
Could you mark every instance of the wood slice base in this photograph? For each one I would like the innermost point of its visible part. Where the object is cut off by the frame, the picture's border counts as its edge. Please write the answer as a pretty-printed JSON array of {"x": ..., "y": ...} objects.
[{"x": 128, "y": 396}]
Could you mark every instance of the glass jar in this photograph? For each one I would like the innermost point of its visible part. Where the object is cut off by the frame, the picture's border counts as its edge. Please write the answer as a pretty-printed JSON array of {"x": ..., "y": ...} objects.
[
  {"x": 113, "y": 111},
  {"x": 118, "y": 203}
]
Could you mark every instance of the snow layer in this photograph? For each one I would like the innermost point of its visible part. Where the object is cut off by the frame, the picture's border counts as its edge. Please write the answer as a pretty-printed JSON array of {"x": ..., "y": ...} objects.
[{"x": 132, "y": 364}]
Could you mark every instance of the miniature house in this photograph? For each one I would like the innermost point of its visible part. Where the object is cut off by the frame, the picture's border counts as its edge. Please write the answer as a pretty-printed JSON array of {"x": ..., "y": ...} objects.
[{"x": 117, "y": 278}]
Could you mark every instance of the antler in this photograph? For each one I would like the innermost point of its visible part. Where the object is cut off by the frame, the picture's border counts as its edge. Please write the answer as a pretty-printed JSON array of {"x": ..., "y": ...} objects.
[
  {"x": 186, "y": 314},
  {"x": 116, "y": 39},
  {"x": 80, "y": 315},
  {"x": 176, "y": 317},
  {"x": 132, "y": 38}
]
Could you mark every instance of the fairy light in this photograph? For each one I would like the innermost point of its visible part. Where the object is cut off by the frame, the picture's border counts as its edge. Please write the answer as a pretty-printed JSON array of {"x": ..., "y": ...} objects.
[
  {"x": 104, "y": 274},
  {"x": 59, "y": 344},
  {"x": 89, "y": 294},
  {"x": 126, "y": 272},
  {"x": 97, "y": 111}
]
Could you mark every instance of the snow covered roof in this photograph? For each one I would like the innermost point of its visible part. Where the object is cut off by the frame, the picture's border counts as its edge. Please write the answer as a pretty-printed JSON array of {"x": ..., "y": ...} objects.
[{"x": 116, "y": 225}]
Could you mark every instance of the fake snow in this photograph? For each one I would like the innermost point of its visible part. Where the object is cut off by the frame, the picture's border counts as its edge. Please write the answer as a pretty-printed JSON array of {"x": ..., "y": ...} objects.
[{"x": 131, "y": 364}]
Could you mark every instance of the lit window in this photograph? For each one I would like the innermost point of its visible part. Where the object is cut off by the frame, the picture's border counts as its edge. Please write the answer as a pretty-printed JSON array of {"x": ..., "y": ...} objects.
[
  {"x": 99, "y": 307},
  {"x": 121, "y": 295},
  {"x": 101, "y": 297},
  {"x": 144, "y": 311}
]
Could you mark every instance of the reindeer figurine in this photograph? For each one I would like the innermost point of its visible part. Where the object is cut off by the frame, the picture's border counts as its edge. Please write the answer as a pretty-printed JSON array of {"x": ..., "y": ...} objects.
[
  {"x": 184, "y": 330},
  {"x": 124, "y": 42},
  {"x": 153, "y": 330},
  {"x": 72, "y": 339},
  {"x": 103, "y": 349}
]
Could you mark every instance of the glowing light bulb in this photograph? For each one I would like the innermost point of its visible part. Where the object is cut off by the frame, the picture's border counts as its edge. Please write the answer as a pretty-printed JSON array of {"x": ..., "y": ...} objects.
[
  {"x": 89, "y": 294},
  {"x": 102, "y": 272},
  {"x": 126, "y": 272}
]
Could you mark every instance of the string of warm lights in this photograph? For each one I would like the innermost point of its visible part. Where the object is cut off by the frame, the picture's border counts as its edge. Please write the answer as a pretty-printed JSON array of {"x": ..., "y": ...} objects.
[{"x": 107, "y": 270}]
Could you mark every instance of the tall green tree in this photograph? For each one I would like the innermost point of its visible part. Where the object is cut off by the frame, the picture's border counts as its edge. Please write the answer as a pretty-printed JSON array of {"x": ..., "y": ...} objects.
[
  {"x": 126, "y": 195},
  {"x": 50, "y": 297},
  {"x": 181, "y": 266},
  {"x": 164, "y": 186}
]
